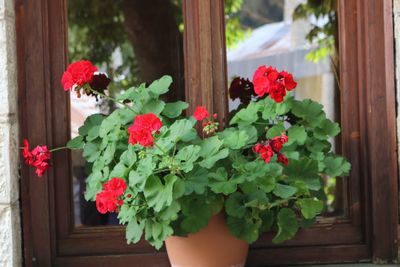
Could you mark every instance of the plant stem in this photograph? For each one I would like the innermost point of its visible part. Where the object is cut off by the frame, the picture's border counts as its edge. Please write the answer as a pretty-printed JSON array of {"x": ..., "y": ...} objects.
[
  {"x": 59, "y": 148},
  {"x": 111, "y": 98},
  {"x": 160, "y": 148}
]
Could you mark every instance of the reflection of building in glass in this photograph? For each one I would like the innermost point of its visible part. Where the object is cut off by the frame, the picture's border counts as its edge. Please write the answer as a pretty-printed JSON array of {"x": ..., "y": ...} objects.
[{"x": 284, "y": 46}]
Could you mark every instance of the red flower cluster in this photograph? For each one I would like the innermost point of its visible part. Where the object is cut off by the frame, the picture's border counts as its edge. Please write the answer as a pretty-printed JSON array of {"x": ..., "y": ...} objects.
[
  {"x": 141, "y": 131},
  {"x": 39, "y": 157},
  {"x": 78, "y": 74},
  {"x": 267, "y": 150},
  {"x": 267, "y": 80},
  {"x": 200, "y": 113},
  {"x": 109, "y": 200}
]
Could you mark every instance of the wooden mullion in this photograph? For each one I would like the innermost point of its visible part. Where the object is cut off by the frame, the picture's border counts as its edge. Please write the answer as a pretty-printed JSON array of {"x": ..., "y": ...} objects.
[{"x": 381, "y": 126}]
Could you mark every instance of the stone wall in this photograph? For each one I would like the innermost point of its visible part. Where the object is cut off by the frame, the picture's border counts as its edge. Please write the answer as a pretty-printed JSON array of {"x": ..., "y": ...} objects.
[{"x": 10, "y": 233}]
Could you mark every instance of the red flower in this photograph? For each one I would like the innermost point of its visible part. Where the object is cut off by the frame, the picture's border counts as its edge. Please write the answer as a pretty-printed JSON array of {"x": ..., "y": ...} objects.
[
  {"x": 200, "y": 113},
  {"x": 141, "y": 131},
  {"x": 283, "y": 159},
  {"x": 290, "y": 84},
  {"x": 261, "y": 80},
  {"x": 78, "y": 74},
  {"x": 39, "y": 158},
  {"x": 270, "y": 81},
  {"x": 106, "y": 201},
  {"x": 117, "y": 185},
  {"x": 277, "y": 142},
  {"x": 265, "y": 152},
  {"x": 277, "y": 93}
]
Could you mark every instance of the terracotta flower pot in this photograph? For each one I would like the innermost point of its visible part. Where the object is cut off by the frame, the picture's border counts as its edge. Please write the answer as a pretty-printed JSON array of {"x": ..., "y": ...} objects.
[{"x": 212, "y": 246}]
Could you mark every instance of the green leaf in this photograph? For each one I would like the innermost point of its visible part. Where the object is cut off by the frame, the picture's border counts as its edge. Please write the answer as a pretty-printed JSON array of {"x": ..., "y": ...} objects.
[
  {"x": 196, "y": 181},
  {"x": 235, "y": 205},
  {"x": 271, "y": 109},
  {"x": 76, "y": 143},
  {"x": 309, "y": 110},
  {"x": 244, "y": 228},
  {"x": 211, "y": 160},
  {"x": 160, "y": 86},
  {"x": 158, "y": 195},
  {"x": 268, "y": 219},
  {"x": 93, "y": 133},
  {"x": 109, "y": 152},
  {"x": 276, "y": 130},
  {"x": 210, "y": 146},
  {"x": 91, "y": 151},
  {"x": 219, "y": 183},
  {"x": 119, "y": 171},
  {"x": 336, "y": 166},
  {"x": 233, "y": 138},
  {"x": 284, "y": 191},
  {"x": 310, "y": 207},
  {"x": 246, "y": 116},
  {"x": 134, "y": 231},
  {"x": 256, "y": 199},
  {"x": 327, "y": 128},
  {"x": 305, "y": 170},
  {"x": 188, "y": 155},
  {"x": 180, "y": 129},
  {"x": 170, "y": 213},
  {"x": 128, "y": 158},
  {"x": 297, "y": 134},
  {"x": 287, "y": 225},
  {"x": 197, "y": 210},
  {"x": 173, "y": 110},
  {"x": 110, "y": 123},
  {"x": 90, "y": 122},
  {"x": 251, "y": 132},
  {"x": 154, "y": 106}
]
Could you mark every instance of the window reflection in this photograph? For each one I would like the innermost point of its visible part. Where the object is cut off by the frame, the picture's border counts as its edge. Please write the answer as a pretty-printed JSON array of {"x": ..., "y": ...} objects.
[
  {"x": 299, "y": 36},
  {"x": 134, "y": 41}
]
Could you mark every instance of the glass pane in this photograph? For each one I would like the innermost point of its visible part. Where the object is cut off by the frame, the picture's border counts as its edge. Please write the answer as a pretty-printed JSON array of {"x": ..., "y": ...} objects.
[
  {"x": 297, "y": 36},
  {"x": 133, "y": 42}
]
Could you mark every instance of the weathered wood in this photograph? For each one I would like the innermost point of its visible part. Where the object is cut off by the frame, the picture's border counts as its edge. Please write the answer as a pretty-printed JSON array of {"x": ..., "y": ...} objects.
[{"x": 368, "y": 140}]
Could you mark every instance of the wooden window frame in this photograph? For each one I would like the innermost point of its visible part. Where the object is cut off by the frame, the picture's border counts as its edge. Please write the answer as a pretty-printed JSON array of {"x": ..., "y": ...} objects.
[{"x": 368, "y": 139}]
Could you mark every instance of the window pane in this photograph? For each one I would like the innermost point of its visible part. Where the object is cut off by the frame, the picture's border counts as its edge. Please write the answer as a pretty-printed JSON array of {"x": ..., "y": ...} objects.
[
  {"x": 297, "y": 36},
  {"x": 133, "y": 42}
]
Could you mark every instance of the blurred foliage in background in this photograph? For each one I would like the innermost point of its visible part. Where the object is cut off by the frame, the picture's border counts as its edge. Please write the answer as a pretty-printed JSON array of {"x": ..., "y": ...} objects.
[{"x": 324, "y": 30}]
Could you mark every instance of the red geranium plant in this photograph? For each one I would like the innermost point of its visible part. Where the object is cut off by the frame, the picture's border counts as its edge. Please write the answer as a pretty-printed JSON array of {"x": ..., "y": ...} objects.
[{"x": 150, "y": 165}]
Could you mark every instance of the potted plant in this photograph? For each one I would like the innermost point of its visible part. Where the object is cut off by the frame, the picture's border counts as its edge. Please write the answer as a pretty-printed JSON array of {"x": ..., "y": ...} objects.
[{"x": 206, "y": 193}]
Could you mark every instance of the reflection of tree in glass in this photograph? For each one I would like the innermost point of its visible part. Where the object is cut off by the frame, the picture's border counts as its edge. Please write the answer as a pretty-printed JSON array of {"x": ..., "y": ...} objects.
[
  {"x": 242, "y": 16},
  {"x": 323, "y": 32},
  {"x": 147, "y": 35}
]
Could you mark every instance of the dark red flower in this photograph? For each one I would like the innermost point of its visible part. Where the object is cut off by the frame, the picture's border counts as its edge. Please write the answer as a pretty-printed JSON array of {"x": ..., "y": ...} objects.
[
  {"x": 241, "y": 88},
  {"x": 99, "y": 84},
  {"x": 141, "y": 131},
  {"x": 39, "y": 158},
  {"x": 283, "y": 159},
  {"x": 78, "y": 74},
  {"x": 277, "y": 142},
  {"x": 117, "y": 185},
  {"x": 106, "y": 201},
  {"x": 200, "y": 113}
]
